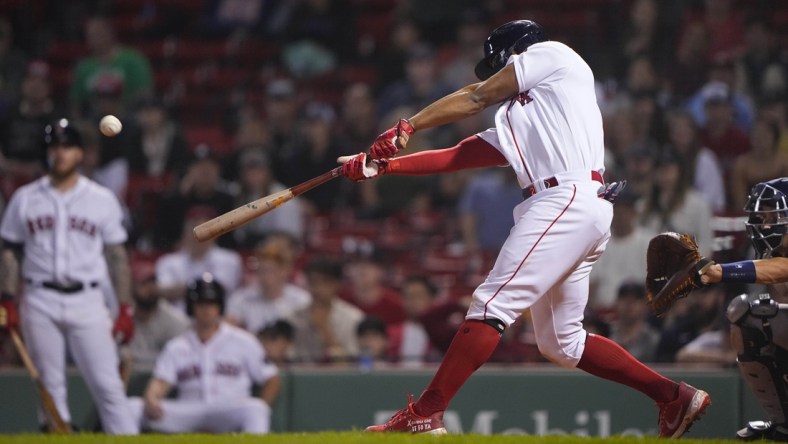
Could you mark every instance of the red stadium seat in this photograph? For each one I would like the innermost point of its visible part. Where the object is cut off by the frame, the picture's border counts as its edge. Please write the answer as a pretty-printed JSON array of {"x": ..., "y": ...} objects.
[{"x": 375, "y": 25}]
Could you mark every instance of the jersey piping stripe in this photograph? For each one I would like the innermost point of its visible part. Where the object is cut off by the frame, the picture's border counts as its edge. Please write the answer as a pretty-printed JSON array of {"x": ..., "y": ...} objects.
[
  {"x": 514, "y": 139},
  {"x": 574, "y": 192}
]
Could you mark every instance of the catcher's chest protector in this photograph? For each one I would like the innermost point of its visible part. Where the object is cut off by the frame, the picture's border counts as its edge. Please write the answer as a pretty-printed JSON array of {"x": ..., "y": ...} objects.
[{"x": 759, "y": 333}]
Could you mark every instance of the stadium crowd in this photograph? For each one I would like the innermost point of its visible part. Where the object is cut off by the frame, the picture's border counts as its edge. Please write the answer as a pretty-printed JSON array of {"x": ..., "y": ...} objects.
[{"x": 225, "y": 101}]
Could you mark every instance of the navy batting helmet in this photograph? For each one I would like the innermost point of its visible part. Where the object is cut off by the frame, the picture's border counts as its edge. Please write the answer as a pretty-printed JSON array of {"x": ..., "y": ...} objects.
[
  {"x": 767, "y": 208},
  {"x": 62, "y": 132},
  {"x": 511, "y": 37},
  {"x": 205, "y": 289}
]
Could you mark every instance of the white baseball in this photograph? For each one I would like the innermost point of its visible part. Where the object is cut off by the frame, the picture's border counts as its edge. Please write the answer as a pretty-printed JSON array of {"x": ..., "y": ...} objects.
[{"x": 110, "y": 125}]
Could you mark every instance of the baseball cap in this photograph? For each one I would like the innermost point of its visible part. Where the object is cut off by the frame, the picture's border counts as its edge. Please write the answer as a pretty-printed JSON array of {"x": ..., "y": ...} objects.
[
  {"x": 203, "y": 151},
  {"x": 277, "y": 329},
  {"x": 280, "y": 88},
  {"x": 715, "y": 92},
  {"x": 143, "y": 271},
  {"x": 107, "y": 85},
  {"x": 319, "y": 111},
  {"x": 367, "y": 254},
  {"x": 254, "y": 158}
]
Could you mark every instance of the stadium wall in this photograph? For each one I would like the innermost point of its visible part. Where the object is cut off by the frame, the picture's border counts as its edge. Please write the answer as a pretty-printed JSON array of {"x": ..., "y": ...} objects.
[{"x": 523, "y": 400}]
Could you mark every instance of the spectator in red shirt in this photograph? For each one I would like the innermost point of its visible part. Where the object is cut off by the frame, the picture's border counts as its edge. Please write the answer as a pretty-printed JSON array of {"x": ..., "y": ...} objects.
[
  {"x": 720, "y": 133},
  {"x": 725, "y": 28},
  {"x": 368, "y": 291},
  {"x": 409, "y": 340}
]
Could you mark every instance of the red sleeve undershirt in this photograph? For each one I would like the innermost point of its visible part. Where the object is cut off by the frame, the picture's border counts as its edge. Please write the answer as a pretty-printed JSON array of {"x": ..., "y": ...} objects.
[{"x": 472, "y": 152}]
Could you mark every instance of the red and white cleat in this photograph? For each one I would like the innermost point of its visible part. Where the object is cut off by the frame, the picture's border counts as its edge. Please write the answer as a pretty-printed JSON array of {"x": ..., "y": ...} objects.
[
  {"x": 676, "y": 417},
  {"x": 406, "y": 420}
]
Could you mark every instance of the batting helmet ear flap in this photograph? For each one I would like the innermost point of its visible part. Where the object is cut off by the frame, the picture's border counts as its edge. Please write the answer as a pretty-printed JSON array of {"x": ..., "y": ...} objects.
[{"x": 511, "y": 37}]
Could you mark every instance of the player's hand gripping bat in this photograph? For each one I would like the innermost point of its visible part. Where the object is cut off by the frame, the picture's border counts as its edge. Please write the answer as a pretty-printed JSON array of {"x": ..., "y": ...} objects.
[
  {"x": 54, "y": 420},
  {"x": 233, "y": 219}
]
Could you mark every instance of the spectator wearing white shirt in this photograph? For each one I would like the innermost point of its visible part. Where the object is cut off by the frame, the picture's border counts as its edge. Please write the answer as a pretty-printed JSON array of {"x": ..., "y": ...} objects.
[
  {"x": 625, "y": 257},
  {"x": 193, "y": 259},
  {"x": 325, "y": 331},
  {"x": 703, "y": 165},
  {"x": 272, "y": 297}
]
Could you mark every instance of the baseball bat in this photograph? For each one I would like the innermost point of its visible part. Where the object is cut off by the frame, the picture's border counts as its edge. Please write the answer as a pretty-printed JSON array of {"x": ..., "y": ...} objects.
[
  {"x": 233, "y": 219},
  {"x": 56, "y": 423}
]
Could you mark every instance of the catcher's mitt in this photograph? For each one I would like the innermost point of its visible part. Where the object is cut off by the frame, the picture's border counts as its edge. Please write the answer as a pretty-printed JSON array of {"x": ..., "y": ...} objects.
[{"x": 673, "y": 269}]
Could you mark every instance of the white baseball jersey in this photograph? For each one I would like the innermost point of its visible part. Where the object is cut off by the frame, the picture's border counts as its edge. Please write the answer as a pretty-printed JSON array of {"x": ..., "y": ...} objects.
[
  {"x": 554, "y": 126},
  {"x": 63, "y": 233},
  {"x": 222, "y": 368},
  {"x": 551, "y": 130}
]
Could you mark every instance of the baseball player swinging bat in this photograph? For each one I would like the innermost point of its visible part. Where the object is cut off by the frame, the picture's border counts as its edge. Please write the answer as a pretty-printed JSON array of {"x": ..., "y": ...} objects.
[
  {"x": 233, "y": 219},
  {"x": 56, "y": 423}
]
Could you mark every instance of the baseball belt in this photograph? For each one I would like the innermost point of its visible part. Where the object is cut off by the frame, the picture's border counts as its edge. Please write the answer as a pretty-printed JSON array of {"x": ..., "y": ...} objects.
[
  {"x": 551, "y": 182},
  {"x": 64, "y": 287}
]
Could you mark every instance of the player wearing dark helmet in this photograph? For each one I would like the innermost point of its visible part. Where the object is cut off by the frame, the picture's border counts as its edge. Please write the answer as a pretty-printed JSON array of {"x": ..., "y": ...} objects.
[
  {"x": 63, "y": 235},
  {"x": 62, "y": 133},
  {"x": 64, "y": 149},
  {"x": 759, "y": 323},
  {"x": 505, "y": 40},
  {"x": 548, "y": 129},
  {"x": 205, "y": 290},
  {"x": 214, "y": 366}
]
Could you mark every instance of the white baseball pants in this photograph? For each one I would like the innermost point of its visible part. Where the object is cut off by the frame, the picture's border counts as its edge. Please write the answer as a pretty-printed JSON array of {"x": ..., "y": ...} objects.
[
  {"x": 545, "y": 264},
  {"x": 247, "y": 415},
  {"x": 51, "y": 321}
]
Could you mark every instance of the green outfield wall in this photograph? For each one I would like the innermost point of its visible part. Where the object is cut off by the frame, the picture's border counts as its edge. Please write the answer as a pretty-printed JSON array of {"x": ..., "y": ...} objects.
[{"x": 535, "y": 400}]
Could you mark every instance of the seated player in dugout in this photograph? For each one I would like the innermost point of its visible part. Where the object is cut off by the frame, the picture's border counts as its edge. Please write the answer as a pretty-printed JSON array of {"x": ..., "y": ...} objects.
[
  {"x": 213, "y": 366},
  {"x": 759, "y": 322}
]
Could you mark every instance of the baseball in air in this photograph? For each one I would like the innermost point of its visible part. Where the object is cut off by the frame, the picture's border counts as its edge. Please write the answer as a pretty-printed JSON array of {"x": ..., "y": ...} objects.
[{"x": 110, "y": 125}]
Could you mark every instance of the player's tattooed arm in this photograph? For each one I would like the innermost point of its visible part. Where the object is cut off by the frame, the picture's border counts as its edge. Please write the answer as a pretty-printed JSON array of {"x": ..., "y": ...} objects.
[
  {"x": 119, "y": 272},
  {"x": 10, "y": 258},
  {"x": 468, "y": 101}
]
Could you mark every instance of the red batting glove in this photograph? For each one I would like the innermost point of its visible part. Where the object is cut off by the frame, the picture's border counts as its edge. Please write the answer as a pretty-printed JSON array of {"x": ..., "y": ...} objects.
[
  {"x": 123, "y": 330},
  {"x": 358, "y": 168},
  {"x": 9, "y": 316},
  {"x": 389, "y": 143}
]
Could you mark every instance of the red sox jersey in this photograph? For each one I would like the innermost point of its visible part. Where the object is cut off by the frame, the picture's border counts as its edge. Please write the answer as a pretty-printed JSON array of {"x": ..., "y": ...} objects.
[
  {"x": 63, "y": 233},
  {"x": 551, "y": 135},
  {"x": 222, "y": 368},
  {"x": 554, "y": 125}
]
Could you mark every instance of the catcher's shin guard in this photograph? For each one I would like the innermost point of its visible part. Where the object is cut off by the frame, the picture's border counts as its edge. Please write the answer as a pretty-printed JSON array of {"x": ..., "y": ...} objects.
[{"x": 759, "y": 333}]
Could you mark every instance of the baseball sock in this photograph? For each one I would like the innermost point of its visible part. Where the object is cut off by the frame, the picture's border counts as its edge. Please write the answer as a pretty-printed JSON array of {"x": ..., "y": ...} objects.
[
  {"x": 471, "y": 347},
  {"x": 606, "y": 359}
]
